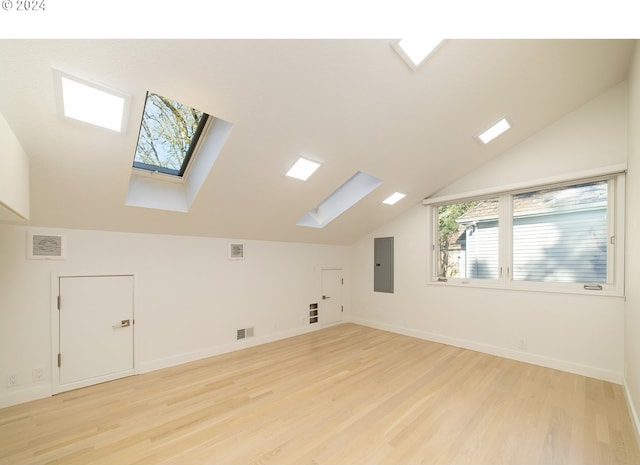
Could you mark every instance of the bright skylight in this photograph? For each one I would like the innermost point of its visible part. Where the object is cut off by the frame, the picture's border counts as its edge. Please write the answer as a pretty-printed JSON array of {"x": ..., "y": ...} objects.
[
  {"x": 494, "y": 131},
  {"x": 92, "y": 105},
  {"x": 416, "y": 51},
  {"x": 394, "y": 198},
  {"x": 169, "y": 134},
  {"x": 302, "y": 169},
  {"x": 351, "y": 192}
]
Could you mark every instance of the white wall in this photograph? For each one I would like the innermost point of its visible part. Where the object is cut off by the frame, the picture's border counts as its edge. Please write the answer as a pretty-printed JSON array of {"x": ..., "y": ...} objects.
[
  {"x": 189, "y": 298},
  {"x": 632, "y": 310},
  {"x": 577, "y": 333},
  {"x": 14, "y": 176},
  {"x": 591, "y": 137}
]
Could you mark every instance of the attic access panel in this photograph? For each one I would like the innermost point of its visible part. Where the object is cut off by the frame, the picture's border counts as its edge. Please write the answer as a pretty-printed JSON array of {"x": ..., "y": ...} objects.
[{"x": 169, "y": 134}]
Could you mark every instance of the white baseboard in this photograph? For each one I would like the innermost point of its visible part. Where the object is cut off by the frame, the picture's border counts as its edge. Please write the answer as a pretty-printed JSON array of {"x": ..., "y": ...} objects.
[
  {"x": 632, "y": 409},
  {"x": 20, "y": 396},
  {"x": 179, "y": 359},
  {"x": 25, "y": 395},
  {"x": 521, "y": 356}
]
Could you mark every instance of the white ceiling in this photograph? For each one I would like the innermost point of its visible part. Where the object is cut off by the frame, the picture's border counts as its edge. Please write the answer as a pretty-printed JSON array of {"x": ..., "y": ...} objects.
[{"x": 353, "y": 105}]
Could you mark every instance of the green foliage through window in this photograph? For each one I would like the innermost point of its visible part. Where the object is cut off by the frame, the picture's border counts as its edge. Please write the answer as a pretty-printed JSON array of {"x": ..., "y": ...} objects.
[{"x": 448, "y": 228}]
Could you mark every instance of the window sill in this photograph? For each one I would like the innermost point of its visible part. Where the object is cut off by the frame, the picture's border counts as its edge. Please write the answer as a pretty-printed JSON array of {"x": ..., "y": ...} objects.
[{"x": 528, "y": 287}]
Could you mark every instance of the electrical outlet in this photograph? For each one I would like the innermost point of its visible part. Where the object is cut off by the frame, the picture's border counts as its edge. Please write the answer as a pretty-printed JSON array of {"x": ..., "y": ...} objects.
[
  {"x": 12, "y": 379},
  {"x": 38, "y": 374},
  {"x": 522, "y": 344}
]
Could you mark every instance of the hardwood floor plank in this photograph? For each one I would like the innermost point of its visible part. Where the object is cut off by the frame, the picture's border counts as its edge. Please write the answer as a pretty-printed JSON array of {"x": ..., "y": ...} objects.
[{"x": 342, "y": 395}]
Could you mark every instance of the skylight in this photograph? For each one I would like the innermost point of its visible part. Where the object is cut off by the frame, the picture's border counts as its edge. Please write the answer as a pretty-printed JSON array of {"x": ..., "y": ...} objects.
[
  {"x": 394, "y": 198},
  {"x": 92, "y": 104},
  {"x": 148, "y": 190},
  {"x": 416, "y": 51},
  {"x": 169, "y": 134},
  {"x": 494, "y": 131},
  {"x": 351, "y": 192},
  {"x": 302, "y": 169}
]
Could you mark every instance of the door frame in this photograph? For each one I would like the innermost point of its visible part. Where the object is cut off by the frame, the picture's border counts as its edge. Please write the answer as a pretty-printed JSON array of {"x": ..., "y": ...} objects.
[
  {"x": 55, "y": 325},
  {"x": 322, "y": 270}
]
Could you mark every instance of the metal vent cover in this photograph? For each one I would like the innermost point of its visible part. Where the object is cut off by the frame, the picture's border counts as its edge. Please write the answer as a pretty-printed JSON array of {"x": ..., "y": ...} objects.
[
  {"x": 46, "y": 246},
  {"x": 244, "y": 333}
]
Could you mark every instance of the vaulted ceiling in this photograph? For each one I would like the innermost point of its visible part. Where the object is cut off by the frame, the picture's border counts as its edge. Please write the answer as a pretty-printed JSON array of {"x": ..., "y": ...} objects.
[{"x": 353, "y": 105}]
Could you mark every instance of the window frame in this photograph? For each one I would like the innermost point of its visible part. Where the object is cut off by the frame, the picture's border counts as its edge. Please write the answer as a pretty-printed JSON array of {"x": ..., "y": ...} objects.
[
  {"x": 171, "y": 174},
  {"x": 615, "y": 241}
]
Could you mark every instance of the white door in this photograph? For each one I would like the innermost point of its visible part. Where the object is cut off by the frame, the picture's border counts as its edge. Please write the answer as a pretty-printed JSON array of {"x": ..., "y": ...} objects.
[
  {"x": 96, "y": 329},
  {"x": 331, "y": 308}
]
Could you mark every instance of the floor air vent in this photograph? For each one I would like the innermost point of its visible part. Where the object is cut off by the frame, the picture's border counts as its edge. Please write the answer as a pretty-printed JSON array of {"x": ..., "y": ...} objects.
[{"x": 244, "y": 333}]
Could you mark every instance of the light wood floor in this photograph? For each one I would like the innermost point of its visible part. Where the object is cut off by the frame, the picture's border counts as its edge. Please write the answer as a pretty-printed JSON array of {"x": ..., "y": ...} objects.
[{"x": 343, "y": 395}]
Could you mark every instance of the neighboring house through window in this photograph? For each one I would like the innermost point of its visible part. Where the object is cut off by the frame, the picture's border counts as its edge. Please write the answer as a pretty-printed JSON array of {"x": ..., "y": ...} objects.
[{"x": 564, "y": 235}]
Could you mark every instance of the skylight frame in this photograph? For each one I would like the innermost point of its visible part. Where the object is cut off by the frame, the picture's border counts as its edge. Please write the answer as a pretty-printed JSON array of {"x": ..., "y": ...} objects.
[
  {"x": 356, "y": 188},
  {"x": 427, "y": 47},
  {"x": 170, "y": 193},
  {"x": 60, "y": 75},
  {"x": 198, "y": 136}
]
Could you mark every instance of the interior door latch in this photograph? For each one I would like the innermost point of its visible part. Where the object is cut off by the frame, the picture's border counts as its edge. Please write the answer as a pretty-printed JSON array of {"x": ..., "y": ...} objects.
[{"x": 123, "y": 324}]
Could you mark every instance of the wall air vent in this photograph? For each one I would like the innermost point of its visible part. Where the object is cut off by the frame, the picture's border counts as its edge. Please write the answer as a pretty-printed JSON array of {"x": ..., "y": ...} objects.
[
  {"x": 313, "y": 313},
  {"x": 244, "y": 333},
  {"x": 46, "y": 247}
]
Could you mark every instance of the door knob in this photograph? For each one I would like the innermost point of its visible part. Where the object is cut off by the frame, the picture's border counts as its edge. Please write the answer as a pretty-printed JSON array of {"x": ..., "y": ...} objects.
[{"x": 325, "y": 297}]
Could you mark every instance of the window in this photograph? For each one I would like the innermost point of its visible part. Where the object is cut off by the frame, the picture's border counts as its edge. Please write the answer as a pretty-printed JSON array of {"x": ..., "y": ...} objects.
[
  {"x": 177, "y": 149},
  {"x": 468, "y": 240},
  {"x": 560, "y": 237},
  {"x": 561, "y": 234},
  {"x": 168, "y": 136}
]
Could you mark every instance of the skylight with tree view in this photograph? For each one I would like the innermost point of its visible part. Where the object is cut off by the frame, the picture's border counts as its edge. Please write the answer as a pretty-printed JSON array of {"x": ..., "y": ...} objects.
[{"x": 168, "y": 136}]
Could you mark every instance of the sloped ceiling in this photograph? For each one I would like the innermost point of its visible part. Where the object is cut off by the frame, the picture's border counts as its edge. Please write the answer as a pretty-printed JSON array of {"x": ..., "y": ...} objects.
[{"x": 353, "y": 105}]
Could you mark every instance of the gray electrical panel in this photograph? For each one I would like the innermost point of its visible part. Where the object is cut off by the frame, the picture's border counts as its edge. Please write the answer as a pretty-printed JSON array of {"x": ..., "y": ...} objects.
[{"x": 383, "y": 264}]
